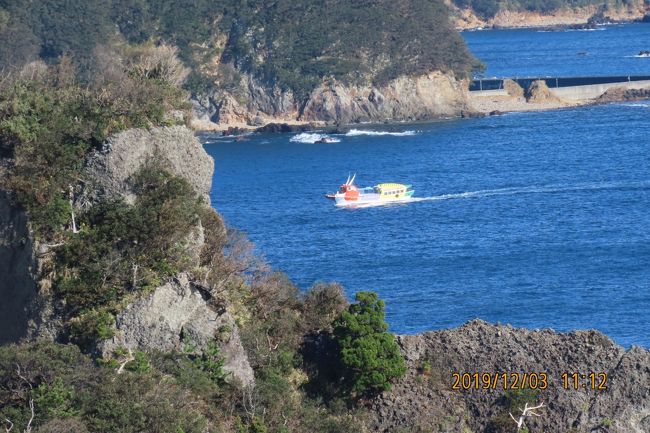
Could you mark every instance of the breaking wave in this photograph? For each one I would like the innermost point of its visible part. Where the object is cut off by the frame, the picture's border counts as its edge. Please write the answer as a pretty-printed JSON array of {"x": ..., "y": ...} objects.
[
  {"x": 357, "y": 132},
  {"x": 637, "y": 104},
  {"x": 306, "y": 137}
]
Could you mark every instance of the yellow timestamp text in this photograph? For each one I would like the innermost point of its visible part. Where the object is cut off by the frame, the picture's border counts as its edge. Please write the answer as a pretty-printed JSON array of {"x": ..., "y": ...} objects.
[{"x": 534, "y": 380}]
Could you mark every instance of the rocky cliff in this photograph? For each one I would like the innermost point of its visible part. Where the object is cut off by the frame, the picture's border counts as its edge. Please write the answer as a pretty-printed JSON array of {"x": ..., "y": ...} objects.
[
  {"x": 424, "y": 399},
  {"x": 428, "y": 96},
  {"x": 161, "y": 318}
]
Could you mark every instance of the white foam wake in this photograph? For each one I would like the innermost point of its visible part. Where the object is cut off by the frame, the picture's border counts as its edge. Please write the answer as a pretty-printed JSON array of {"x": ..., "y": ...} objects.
[
  {"x": 306, "y": 137},
  {"x": 537, "y": 190},
  {"x": 357, "y": 132}
]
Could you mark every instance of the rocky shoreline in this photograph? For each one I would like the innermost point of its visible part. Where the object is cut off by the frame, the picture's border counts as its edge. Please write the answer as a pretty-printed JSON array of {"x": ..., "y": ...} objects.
[
  {"x": 477, "y": 106},
  {"x": 467, "y": 19}
]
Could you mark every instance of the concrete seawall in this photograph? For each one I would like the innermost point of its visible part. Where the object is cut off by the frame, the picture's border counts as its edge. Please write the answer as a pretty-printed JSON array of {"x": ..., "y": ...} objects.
[
  {"x": 561, "y": 93},
  {"x": 593, "y": 91},
  {"x": 558, "y": 86}
]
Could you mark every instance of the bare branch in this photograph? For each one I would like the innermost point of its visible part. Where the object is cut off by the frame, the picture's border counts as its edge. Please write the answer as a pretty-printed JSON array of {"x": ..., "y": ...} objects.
[
  {"x": 526, "y": 411},
  {"x": 20, "y": 375},
  {"x": 126, "y": 361},
  {"x": 28, "y": 428},
  {"x": 74, "y": 223},
  {"x": 11, "y": 425}
]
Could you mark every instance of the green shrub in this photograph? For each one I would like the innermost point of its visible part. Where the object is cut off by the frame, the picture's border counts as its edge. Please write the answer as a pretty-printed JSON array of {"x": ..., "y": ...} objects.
[
  {"x": 140, "y": 363},
  {"x": 369, "y": 353},
  {"x": 55, "y": 399},
  {"x": 93, "y": 326},
  {"x": 211, "y": 362}
]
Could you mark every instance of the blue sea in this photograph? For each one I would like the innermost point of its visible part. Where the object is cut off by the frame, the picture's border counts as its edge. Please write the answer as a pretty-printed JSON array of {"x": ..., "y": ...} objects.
[{"x": 539, "y": 220}]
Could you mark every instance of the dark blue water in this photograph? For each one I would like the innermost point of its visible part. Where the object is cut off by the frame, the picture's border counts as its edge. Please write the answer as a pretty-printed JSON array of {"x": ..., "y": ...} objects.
[
  {"x": 534, "y": 219},
  {"x": 608, "y": 50}
]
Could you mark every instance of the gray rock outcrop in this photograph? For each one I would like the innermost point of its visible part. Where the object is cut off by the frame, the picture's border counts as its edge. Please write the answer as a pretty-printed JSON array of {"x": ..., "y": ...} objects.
[
  {"x": 176, "y": 148},
  {"x": 173, "y": 314},
  {"x": 424, "y": 397}
]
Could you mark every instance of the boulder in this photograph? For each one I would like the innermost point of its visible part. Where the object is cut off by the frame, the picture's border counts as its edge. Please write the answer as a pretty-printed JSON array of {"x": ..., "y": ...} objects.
[
  {"x": 513, "y": 88},
  {"x": 538, "y": 92}
]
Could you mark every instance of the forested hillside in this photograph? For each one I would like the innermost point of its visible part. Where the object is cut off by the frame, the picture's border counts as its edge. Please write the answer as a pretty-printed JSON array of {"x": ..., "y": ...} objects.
[{"x": 292, "y": 44}]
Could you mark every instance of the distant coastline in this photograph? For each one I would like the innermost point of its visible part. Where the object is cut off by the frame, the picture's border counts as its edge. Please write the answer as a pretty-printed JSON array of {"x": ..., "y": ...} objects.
[{"x": 466, "y": 19}]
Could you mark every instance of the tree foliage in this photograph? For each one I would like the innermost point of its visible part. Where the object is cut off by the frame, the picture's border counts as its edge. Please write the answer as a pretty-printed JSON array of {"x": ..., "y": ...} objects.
[
  {"x": 292, "y": 44},
  {"x": 368, "y": 352}
]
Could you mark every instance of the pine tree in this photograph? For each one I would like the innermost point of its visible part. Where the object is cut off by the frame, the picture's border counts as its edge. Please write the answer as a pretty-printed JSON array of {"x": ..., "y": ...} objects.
[{"x": 369, "y": 354}]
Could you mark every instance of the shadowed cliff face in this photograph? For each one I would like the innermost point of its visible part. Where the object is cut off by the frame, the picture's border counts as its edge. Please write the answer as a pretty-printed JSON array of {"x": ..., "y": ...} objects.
[
  {"x": 17, "y": 266},
  {"x": 424, "y": 398}
]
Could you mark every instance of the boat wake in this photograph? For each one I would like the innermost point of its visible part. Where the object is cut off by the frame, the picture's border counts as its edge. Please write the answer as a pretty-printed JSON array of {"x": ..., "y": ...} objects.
[
  {"x": 547, "y": 189},
  {"x": 539, "y": 190},
  {"x": 358, "y": 132},
  {"x": 312, "y": 138}
]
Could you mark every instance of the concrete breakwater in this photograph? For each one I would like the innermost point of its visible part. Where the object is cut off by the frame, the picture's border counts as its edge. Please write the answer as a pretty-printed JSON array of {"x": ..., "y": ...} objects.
[{"x": 567, "y": 88}]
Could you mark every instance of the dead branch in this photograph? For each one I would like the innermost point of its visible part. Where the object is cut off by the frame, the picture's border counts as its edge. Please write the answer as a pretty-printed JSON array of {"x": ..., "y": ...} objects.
[
  {"x": 272, "y": 347},
  {"x": 74, "y": 223},
  {"x": 526, "y": 411},
  {"x": 11, "y": 426},
  {"x": 126, "y": 361},
  {"x": 28, "y": 428},
  {"x": 20, "y": 375}
]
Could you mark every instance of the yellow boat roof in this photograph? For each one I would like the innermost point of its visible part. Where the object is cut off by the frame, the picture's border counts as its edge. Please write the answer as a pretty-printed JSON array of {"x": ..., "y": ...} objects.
[{"x": 391, "y": 185}]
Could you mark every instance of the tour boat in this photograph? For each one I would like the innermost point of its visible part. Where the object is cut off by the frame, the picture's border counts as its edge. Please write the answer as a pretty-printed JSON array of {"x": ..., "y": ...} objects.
[{"x": 350, "y": 195}]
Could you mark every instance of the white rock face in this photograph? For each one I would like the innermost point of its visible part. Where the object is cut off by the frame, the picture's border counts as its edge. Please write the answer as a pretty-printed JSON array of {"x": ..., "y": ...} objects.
[{"x": 176, "y": 311}]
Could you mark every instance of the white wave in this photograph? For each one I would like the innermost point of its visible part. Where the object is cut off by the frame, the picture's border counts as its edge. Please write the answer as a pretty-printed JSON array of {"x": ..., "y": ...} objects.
[
  {"x": 600, "y": 29},
  {"x": 537, "y": 190},
  {"x": 641, "y": 56},
  {"x": 306, "y": 137},
  {"x": 636, "y": 104},
  {"x": 357, "y": 132}
]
